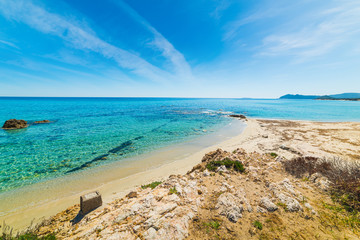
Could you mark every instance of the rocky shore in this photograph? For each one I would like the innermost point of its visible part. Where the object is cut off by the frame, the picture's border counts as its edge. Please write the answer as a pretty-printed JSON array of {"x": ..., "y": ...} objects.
[
  {"x": 216, "y": 200},
  {"x": 285, "y": 182}
]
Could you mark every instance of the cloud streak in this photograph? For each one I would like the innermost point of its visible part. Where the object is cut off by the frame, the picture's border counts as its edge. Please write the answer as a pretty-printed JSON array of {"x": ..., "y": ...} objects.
[
  {"x": 159, "y": 42},
  {"x": 54, "y": 24},
  {"x": 332, "y": 28},
  {"x": 8, "y": 44}
]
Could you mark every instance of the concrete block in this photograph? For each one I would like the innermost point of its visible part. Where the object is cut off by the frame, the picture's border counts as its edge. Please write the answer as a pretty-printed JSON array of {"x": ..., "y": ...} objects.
[{"x": 89, "y": 202}]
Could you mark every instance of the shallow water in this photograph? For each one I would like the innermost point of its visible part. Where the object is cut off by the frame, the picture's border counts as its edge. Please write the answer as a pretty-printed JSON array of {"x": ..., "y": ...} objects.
[{"x": 89, "y": 132}]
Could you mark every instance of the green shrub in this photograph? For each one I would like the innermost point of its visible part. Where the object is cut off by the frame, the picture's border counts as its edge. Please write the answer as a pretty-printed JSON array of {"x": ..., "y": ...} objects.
[
  {"x": 274, "y": 155},
  {"x": 213, "y": 224},
  {"x": 228, "y": 163},
  {"x": 238, "y": 166},
  {"x": 151, "y": 185},
  {"x": 258, "y": 225}
]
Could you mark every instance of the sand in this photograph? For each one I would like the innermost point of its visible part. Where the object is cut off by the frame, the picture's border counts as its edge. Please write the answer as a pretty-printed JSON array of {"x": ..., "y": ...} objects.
[{"x": 286, "y": 138}]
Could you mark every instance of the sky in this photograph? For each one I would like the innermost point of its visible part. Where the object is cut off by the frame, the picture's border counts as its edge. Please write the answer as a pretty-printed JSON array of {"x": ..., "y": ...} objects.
[{"x": 179, "y": 48}]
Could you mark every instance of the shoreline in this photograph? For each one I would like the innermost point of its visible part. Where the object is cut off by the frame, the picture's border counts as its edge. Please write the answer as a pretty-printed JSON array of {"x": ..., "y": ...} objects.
[
  {"x": 36, "y": 202},
  {"x": 287, "y": 138},
  {"x": 262, "y": 178}
]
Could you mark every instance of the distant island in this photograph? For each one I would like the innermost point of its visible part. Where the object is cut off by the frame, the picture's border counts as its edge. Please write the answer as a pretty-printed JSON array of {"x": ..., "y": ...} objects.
[{"x": 343, "y": 97}]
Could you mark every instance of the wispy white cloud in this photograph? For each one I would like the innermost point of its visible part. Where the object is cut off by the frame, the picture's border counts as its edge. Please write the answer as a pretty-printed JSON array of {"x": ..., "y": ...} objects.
[
  {"x": 329, "y": 28},
  {"x": 222, "y": 5},
  {"x": 181, "y": 66},
  {"x": 10, "y": 44},
  {"x": 304, "y": 29},
  {"x": 80, "y": 38},
  {"x": 233, "y": 29}
]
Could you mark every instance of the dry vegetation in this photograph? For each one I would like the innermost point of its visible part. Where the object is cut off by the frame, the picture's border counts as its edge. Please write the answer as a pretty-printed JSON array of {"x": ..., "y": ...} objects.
[{"x": 234, "y": 195}]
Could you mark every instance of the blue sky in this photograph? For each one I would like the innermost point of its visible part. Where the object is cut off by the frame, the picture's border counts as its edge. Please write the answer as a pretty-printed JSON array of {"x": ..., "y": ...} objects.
[{"x": 179, "y": 48}]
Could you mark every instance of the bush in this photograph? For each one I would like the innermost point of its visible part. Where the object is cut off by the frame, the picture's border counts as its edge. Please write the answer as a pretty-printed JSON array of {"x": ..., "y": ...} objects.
[
  {"x": 258, "y": 225},
  {"x": 343, "y": 175},
  {"x": 228, "y": 163}
]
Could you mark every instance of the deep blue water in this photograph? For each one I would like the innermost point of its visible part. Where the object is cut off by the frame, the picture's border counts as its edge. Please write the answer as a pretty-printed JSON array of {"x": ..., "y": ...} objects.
[{"x": 88, "y": 132}]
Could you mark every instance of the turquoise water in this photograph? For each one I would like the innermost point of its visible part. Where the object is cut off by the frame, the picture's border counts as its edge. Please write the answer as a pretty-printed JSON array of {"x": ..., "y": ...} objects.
[{"x": 88, "y": 132}]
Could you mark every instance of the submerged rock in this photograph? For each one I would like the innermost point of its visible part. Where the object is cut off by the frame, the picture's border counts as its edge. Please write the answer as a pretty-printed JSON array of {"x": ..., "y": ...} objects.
[
  {"x": 238, "y": 116},
  {"x": 42, "y": 121},
  {"x": 15, "y": 124}
]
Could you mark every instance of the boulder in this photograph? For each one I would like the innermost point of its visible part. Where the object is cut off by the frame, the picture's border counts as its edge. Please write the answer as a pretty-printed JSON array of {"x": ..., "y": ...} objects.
[
  {"x": 132, "y": 195},
  {"x": 268, "y": 204},
  {"x": 42, "y": 121},
  {"x": 229, "y": 206},
  {"x": 15, "y": 124},
  {"x": 238, "y": 116},
  {"x": 292, "y": 205}
]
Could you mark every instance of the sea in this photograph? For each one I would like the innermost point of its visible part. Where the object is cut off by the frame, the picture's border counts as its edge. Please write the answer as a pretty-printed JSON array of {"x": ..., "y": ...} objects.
[{"x": 85, "y": 133}]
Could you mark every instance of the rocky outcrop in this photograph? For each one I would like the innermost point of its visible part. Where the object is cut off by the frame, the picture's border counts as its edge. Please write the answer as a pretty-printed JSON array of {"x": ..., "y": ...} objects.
[
  {"x": 15, "y": 124},
  {"x": 238, "y": 116},
  {"x": 42, "y": 121},
  {"x": 230, "y": 206},
  {"x": 222, "y": 201},
  {"x": 268, "y": 204}
]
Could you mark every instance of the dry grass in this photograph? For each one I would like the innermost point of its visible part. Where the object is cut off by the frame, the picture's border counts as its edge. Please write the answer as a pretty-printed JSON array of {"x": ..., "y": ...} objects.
[{"x": 343, "y": 175}]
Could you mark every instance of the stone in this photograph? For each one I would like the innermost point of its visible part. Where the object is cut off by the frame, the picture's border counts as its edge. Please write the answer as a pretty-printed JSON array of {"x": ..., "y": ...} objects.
[
  {"x": 206, "y": 173},
  {"x": 307, "y": 205},
  {"x": 222, "y": 169},
  {"x": 292, "y": 205},
  {"x": 151, "y": 234},
  {"x": 229, "y": 206},
  {"x": 132, "y": 195},
  {"x": 268, "y": 204},
  {"x": 89, "y": 202},
  {"x": 15, "y": 124},
  {"x": 42, "y": 121},
  {"x": 260, "y": 210},
  {"x": 241, "y": 116}
]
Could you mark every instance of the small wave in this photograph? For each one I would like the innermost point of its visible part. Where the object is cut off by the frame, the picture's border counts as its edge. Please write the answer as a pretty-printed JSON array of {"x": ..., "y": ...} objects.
[{"x": 216, "y": 112}]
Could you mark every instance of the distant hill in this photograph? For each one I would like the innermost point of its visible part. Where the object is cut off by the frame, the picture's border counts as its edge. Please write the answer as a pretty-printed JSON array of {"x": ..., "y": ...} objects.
[
  {"x": 346, "y": 95},
  {"x": 342, "y": 96},
  {"x": 298, "y": 96}
]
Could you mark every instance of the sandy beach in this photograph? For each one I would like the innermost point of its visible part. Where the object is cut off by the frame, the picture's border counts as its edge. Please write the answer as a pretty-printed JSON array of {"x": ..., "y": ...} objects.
[{"x": 286, "y": 138}]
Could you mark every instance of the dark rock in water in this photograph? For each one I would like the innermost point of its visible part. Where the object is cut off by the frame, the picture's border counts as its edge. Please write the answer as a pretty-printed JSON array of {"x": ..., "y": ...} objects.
[
  {"x": 121, "y": 147},
  {"x": 15, "y": 124},
  {"x": 89, "y": 163},
  {"x": 238, "y": 116},
  {"x": 42, "y": 121}
]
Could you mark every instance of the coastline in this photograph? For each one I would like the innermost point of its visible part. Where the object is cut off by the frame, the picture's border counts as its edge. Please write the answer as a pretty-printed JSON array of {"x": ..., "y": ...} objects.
[
  {"x": 287, "y": 138},
  {"x": 263, "y": 181},
  {"x": 34, "y": 203}
]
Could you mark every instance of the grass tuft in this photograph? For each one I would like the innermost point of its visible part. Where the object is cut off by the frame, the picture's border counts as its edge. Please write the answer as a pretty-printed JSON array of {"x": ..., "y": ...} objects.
[
  {"x": 258, "y": 225},
  {"x": 173, "y": 191},
  {"x": 151, "y": 185},
  {"x": 29, "y": 234},
  {"x": 213, "y": 224}
]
